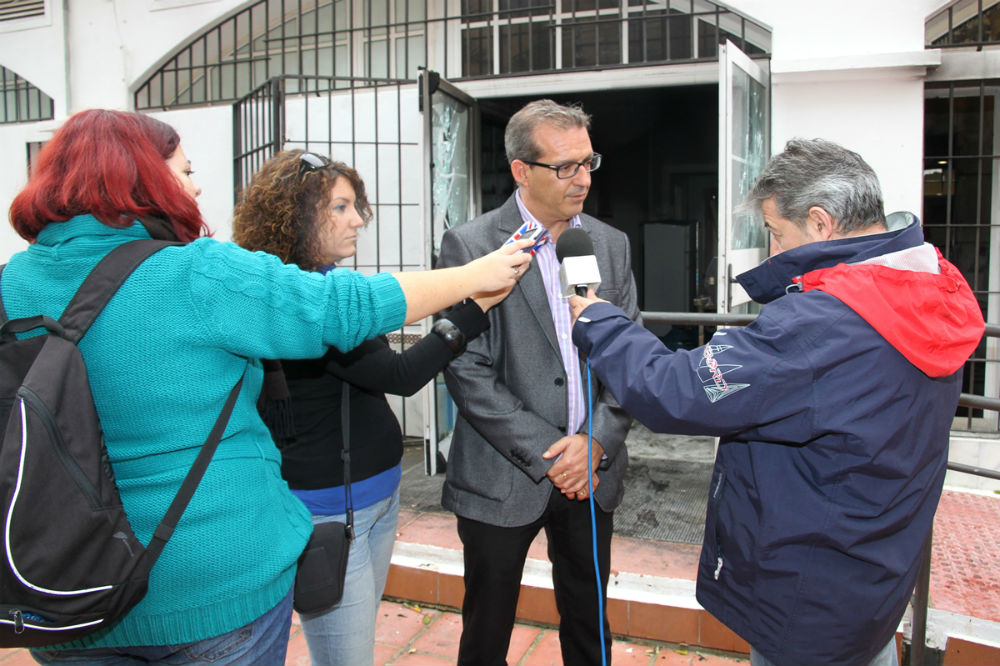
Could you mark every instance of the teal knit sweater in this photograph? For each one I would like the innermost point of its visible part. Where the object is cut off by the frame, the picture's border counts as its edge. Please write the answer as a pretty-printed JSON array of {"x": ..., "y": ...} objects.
[{"x": 161, "y": 359}]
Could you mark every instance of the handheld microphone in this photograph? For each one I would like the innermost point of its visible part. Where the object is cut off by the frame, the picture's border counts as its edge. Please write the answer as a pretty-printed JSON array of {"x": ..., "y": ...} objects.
[{"x": 578, "y": 269}]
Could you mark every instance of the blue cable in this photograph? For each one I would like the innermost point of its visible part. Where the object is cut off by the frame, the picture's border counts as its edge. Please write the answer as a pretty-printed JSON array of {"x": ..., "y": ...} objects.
[{"x": 593, "y": 515}]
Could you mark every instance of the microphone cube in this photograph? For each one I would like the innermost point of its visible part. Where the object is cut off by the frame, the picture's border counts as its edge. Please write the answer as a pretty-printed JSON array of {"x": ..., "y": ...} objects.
[{"x": 579, "y": 271}]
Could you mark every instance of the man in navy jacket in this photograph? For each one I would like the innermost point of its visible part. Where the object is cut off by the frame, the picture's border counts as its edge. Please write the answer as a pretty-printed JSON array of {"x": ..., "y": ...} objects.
[{"x": 833, "y": 410}]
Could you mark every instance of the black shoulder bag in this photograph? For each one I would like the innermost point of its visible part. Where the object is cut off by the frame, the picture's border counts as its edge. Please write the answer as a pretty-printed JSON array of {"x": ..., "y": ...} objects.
[{"x": 319, "y": 582}]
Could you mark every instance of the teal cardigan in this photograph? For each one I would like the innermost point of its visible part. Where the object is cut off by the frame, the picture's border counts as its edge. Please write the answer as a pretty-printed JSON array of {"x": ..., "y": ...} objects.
[{"x": 161, "y": 359}]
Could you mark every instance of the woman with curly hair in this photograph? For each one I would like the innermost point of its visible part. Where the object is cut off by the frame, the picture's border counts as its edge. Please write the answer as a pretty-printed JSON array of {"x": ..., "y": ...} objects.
[
  {"x": 313, "y": 220},
  {"x": 161, "y": 359}
]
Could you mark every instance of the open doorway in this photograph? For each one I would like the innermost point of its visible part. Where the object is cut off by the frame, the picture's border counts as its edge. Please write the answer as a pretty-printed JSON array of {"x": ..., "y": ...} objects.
[{"x": 658, "y": 183}]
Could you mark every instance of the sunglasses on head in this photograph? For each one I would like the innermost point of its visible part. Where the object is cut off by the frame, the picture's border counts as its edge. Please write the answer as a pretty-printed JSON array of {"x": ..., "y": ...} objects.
[{"x": 311, "y": 162}]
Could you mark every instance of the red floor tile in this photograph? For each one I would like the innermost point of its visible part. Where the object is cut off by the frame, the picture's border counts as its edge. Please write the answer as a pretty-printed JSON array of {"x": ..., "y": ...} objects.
[
  {"x": 964, "y": 653},
  {"x": 384, "y": 654},
  {"x": 431, "y": 529},
  {"x": 398, "y": 624},
  {"x": 521, "y": 640},
  {"x": 298, "y": 651},
  {"x": 687, "y": 657},
  {"x": 717, "y": 636},
  {"x": 545, "y": 652},
  {"x": 965, "y": 563},
  {"x": 441, "y": 637},
  {"x": 664, "y": 623},
  {"x": 16, "y": 657},
  {"x": 657, "y": 558},
  {"x": 628, "y": 654},
  {"x": 418, "y": 659}
]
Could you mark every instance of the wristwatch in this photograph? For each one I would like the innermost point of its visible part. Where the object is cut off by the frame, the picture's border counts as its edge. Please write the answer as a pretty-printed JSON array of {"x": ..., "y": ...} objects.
[{"x": 451, "y": 334}]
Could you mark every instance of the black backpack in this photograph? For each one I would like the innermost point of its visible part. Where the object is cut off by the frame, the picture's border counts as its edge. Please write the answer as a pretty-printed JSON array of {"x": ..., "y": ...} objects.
[{"x": 71, "y": 565}]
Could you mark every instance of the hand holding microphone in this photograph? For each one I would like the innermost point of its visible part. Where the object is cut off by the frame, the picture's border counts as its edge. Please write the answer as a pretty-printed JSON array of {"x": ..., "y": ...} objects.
[
  {"x": 579, "y": 274},
  {"x": 502, "y": 268},
  {"x": 578, "y": 304},
  {"x": 508, "y": 264},
  {"x": 578, "y": 269}
]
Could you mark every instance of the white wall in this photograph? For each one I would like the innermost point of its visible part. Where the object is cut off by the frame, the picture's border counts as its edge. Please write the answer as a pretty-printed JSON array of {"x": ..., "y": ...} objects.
[
  {"x": 881, "y": 119},
  {"x": 852, "y": 71},
  {"x": 38, "y": 54},
  {"x": 92, "y": 53},
  {"x": 803, "y": 30}
]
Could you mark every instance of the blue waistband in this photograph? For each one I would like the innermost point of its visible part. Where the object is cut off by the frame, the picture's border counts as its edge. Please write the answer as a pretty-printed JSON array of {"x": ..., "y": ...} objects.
[{"x": 330, "y": 501}]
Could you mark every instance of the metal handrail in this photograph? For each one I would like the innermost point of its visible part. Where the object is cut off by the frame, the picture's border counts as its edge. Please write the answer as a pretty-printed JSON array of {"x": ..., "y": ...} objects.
[{"x": 921, "y": 592}]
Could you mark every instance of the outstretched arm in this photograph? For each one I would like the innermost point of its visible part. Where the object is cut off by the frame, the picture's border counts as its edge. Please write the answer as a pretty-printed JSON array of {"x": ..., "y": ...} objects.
[
  {"x": 376, "y": 366},
  {"x": 428, "y": 292},
  {"x": 740, "y": 380}
]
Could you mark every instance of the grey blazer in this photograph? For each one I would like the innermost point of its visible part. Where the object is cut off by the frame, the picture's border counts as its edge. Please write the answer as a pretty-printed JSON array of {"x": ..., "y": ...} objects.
[{"x": 510, "y": 385}]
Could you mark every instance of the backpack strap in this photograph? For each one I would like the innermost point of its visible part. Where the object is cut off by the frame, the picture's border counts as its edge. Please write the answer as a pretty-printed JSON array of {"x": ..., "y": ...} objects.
[
  {"x": 97, "y": 289},
  {"x": 8, "y": 328},
  {"x": 3, "y": 312},
  {"x": 103, "y": 281},
  {"x": 173, "y": 515}
]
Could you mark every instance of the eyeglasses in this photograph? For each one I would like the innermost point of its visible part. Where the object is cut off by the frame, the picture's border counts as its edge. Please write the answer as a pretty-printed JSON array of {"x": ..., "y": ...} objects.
[
  {"x": 311, "y": 162},
  {"x": 569, "y": 169}
]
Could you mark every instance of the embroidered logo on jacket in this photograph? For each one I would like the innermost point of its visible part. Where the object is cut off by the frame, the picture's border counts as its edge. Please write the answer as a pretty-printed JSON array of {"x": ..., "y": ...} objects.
[{"x": 711, "y": 374}]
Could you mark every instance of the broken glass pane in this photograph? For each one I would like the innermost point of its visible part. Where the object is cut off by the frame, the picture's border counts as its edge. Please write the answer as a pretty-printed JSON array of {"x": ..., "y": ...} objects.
[{"x": 450, "y": 172}]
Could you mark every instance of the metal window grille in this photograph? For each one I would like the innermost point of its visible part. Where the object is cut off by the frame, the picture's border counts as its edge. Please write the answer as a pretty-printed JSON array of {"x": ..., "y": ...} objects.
[
  {"x": 473, "y": 38},
  {"x": 20, "y": 101},
  {"x": 15, "y": 10},
  {"x": 369, "y": 124},
  {"x": 965, "y": 23},
  {"x": 961, "y": 211},
  {"x": 32, "y": 148}
]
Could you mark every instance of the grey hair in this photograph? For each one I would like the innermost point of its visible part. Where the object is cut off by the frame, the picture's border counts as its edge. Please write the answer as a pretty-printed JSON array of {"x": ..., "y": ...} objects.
[
  {"x": 820, "y": 173},
  {"x": 519, "y": 137}
]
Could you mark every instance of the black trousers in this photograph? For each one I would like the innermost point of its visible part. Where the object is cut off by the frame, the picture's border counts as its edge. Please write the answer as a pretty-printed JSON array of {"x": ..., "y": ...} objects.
[{"x": 494, "y": 560}]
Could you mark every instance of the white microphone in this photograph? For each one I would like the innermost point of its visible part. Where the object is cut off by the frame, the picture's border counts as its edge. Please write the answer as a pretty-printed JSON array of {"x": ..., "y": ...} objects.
[{"x": 578, "y": 269}]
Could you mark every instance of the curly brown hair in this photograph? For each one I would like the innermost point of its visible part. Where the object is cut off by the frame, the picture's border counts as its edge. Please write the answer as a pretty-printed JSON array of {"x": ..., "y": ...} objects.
[{"x": 281, "y": 211}]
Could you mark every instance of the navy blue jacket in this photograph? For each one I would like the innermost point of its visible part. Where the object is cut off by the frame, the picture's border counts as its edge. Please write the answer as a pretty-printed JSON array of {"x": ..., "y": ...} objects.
[{"x": 833, "y": 441}]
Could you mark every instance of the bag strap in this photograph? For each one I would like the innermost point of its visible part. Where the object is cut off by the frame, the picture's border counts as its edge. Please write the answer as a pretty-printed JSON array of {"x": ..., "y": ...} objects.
[
  {"x": 345, "y": 455},
  {"x": 103, "y": 281},
  {"x": 3, "y": 312},
  {"x": 176, "y": 509},
  {"x": 98, "y": 287},
  {"x": 87, "y": 303}
]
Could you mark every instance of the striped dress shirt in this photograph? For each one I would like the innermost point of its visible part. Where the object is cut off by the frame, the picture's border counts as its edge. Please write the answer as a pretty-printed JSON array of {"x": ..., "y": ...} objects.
[{"x": 548, "y": 265}]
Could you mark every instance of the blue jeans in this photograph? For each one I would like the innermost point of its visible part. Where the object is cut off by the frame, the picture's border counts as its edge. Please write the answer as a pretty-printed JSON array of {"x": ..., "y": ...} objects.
[
  {"x": 346, "y": 634},
  {"x": 263, "y": 641},
  {"x": 887, "y": 656}
]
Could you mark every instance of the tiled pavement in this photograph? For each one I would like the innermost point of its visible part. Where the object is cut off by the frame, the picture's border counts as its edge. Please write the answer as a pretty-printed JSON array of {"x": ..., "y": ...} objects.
[
  {"x": 410, "y": 634},
  {"x": 965, "y": 561},
  {"x": 651, "y": 591}
]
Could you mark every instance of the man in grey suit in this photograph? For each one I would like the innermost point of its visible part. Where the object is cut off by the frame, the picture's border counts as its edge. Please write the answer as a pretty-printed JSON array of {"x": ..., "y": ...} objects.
[{"x": 518, "y": 458}]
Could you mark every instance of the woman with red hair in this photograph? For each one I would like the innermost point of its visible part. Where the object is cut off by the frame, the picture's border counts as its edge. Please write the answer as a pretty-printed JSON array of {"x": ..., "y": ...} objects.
[
  {"x": 162, "y": 357},
  {"x": 110, "y": 165}
]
